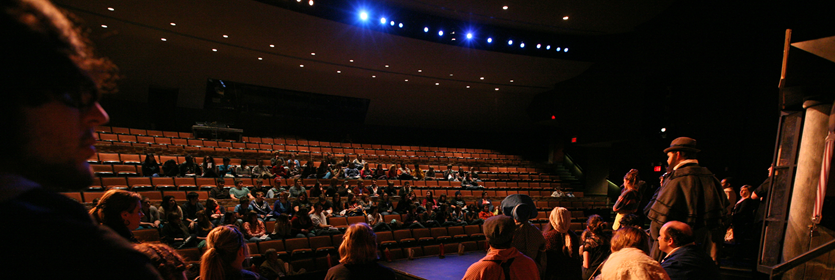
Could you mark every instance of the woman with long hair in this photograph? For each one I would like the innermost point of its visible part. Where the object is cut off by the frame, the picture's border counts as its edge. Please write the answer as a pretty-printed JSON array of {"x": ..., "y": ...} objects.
[
  {"x": 169, "y": 204},
  {"x": 358, "y": 253},
  {"x": 214, "y": 211},
  {"x": 595, "y": 248},
  {"x": 254, "y": 229},
  {"x": 562, "y": 248},
  {"x": 379, "y": 172},
  {"x": 629, "y": 198},
  {"x": 225, "y": 253},
  {"x": 202, "y": 227},
  {"x": 209, "y": 167},
  {"x": 392, "y": 172},
  {"x": 120, "y": 211},
  {"x": 150, "y": 167}
]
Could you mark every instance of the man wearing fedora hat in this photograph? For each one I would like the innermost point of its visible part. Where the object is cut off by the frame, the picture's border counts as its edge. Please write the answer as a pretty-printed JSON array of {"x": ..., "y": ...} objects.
[{"x": 690, "y": 194}]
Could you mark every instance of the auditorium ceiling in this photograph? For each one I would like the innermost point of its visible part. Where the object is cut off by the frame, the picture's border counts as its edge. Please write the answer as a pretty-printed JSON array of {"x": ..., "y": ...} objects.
[{"x": 410, "y": 82}]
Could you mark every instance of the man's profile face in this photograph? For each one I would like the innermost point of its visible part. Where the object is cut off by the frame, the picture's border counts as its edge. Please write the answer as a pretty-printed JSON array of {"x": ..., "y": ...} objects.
[
  {"x": 58, "y": 141},
  {"x": 725, "y": 183},
  {"x": 663, "y": 239},
  {"x": 673, "y": 158}
]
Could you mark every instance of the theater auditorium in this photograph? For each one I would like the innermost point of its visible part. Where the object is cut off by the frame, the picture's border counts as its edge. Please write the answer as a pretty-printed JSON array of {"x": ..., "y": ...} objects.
[{"x": 280, "y": 139}]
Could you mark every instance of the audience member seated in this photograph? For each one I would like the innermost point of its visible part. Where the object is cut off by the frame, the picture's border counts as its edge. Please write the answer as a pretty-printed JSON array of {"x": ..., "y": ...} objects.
[
  {"x": 327, "y": 206},
  {"x": 259, "y": 188},
  {"x": 684, "y": 259},
  {"x": 406, "y": 190},
  {"x": 319, "y": 218},
  {"x": 351, "y": 172},
  {"x": 261, "y": 171},
  {"x": 297, "y": 189},
  {"x": 392, "y": 172},
  {"x": 215, "y": 211},
  {"x": 308, "y": 170},
  {"x": 293, "y": 171},
  {"x": 189, "y": 167},
  {"x": 279, "y": 170},
  {"x": 403, "y": 205},
  {"x": 275, "y": 268},
  {"x": 562, "y": 248},
  {"x": 458, "y": 201},
  {"x": 169, "y": 264},
  {"x": 380, "y": 172},
  {"x": 429, "y": 198},
  {"x": 503, "y": 261},
  {"x": 150, "y": 215},
  {"x": 358, "y": 253},
  {"x": 239, "y": 191},
  {"x": 374, "y": 189},
  {"x": 484, "y": 201},
  {"x": 450, "y": 175},
  {"x": 261, "y": 207},
  {"x": 411, "y": 220},
  {"x": 442, "y": 201},
  {"x": 202, "y": 227},
  {"x": 302, "y": 225},
  {"x": 302, "y": 203},
  {"x": 170, "y": 168},
  {"x": 219, "y": 192},
  {"x": 254, "y": 229},
  {"x": 277, "y": 160},
  {"x": 485, "y": 212},
  {"x": 209, "y": 167},
  {"x": 336, "y": 206},
  {"x": 360, "y": 189},
  {"x": 282, "y": 205},
  {"x": 150, "y": 167},
  {"x": 384, "y": 205},
  {"x": 225, "y": 254},
  {"x": 243, "y": 170},
  {"x": 473, "y": 215},
  {"x": 191, "y": 206},
  {"x": 743, "y": 218},
  {"x": 293, "y": 160},
  {"x": 557, "y": 192},
  {"x": 242, "y": 209},
  {"x": 469, "y": 183},
  {"x": 417, "y": 173},
  {"x": 629, "y": 259},
  {"x": 316, "y": 190},
  {"x": 367, "y": 173},
  {"x": 376, "y": 221},
  {"x": 352, "y": 206},
  {"x": 595, "y": 246},
  {"x": 175, "y": 233},
  {"x": 527, "y": 238},
  {"x": 404, "y": 173},
  {"x": 169, "y": 204},
  {"x": 457, "y": 217},
  {"x": 226, "y": 170},
  {"x": 429, "y": 218},
  {"x": 430, "y": 174},
  {"x": 629, "y": 198},
  {"x": 275, "y": 190},
  {"x": 282, "y": 228},
  {"x": 359, "y": 162},
  {"x": 120, "y": 211}
]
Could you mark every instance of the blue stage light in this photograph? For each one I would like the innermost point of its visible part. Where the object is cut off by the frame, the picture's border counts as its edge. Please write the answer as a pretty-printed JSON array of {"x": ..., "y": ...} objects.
[
  {"x": 392, "y": 23},
  {"x": 538, "y": 46},
  {"x": 401, "y": 25},
  {"x": 509, "y": 42},
  {"x": 548, "y": 47},
  {"x": 363, "y": 15},
  {"x": 383, "y": 20},
  {"x": 469, "y": 35},
  {"x": 426, "y": 29},
  {"x": 489, "y": 40},
  {"x": 441, "y": 33},
  {"x": 522, "y": 45},
  {"x": 559, "y": 49},
  {"x": 565, "y": 50}
]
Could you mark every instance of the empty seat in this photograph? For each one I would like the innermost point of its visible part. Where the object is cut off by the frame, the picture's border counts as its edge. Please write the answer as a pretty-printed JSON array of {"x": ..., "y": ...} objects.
[
  {"x": 140, "y": 183},
  {"x": 163, "y": 183},
  {"x": 125, "y": 170},
  {"x": 339, "y": 222},
  {"x": 152, "y": 195},
  {"x": 322, "y": 245},
  {"x": 119, "y": 183},
  {"x": 102, "y": 169},
  {"x": 299, "y": 248}
]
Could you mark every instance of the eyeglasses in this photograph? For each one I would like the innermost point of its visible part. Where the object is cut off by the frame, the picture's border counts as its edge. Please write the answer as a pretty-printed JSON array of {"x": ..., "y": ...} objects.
[{"x": 82, "y": 100}]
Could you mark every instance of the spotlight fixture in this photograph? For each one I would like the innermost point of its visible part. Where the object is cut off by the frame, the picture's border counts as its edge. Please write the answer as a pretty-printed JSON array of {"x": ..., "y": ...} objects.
[
  {"x": 509, "y": 42},
  {"x": 504, "y": 8},
  {"x": 426, "y": 29},
  {"x": 469, "y": 35},
  {"x": 538, "y": 46},
  {"x": 225, "y": 36},
  {"x": 511, "y": 80},
  {"x": 387, "y": 66},
  {"x": 374, "y": 76},
  {"x": 338, "y": 72},
  {"x": 558, "y": 48},
  {"x": 441, "y": 33},
  {"x": 400, "y": 25},
  {"x": 313, "y": 53},
  {"x": 214, "y": 50},
  {"x": 407, "y": 80},
  {"x": 382, "y": 20},
  {"x": 110, "y": 9},
  {"x": 260, "y": 58},
  {"x": 565, "y": 18},
  {"x": 663, "y": 129},
  {"x": 391, "y": 23},
  {"x": 299, "y": 1},
  {"x": 420, "y": 71},
  {"x": 453, "y": 38},
  {"x": 522, "y": 45},
  {"x": 482, "y": 78},
  {"x": 363, "y": 15},
  {"x": 310, "y": 2},
  {"x": 489, "y": 40},
  {"x": 103, "y": 26},
  {"x": 352, "y": 61},
  {"x": 173, "y": 24},
  {"x": 437, "y": 84},
  {"x": 163, "y": 39},
  {"x": 468, "y": 86},
  {"x": 450, "y": 74},
  {"x": 565, "y": 50},
  {"x": 548, "y": 47},
  {"x": 301, "y": 65},
  {"x": 497, "y": 89}
]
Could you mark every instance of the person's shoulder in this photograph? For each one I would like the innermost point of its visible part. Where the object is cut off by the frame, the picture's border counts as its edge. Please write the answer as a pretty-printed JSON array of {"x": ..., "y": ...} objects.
[{"x": 249, "y": 275}]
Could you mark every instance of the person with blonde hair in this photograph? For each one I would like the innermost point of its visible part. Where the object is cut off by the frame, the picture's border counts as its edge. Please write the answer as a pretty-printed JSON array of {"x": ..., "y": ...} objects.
[
  {"x": 358, "y": 253},
  {"x": 225, "y": 253},
  {"x": 120, "y": 211},
  {"x": 562, "y": 247},
  {"x": 629, "y": 259},
  {"x": 169, "y": 264}
]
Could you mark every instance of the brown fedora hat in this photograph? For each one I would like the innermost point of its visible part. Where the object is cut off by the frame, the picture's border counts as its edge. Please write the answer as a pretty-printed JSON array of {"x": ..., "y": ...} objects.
[{"x": 683, "y": 144}]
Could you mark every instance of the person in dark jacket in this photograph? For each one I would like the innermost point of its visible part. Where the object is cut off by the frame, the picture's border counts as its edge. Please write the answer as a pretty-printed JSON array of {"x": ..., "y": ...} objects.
[{"x": 684, "y": 260}]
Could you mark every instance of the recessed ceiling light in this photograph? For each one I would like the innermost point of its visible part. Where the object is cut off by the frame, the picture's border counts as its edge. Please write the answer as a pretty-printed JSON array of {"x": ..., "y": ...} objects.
[
  {"x": 548, "y": 47},
  {"x": 225, "y": 36},
  {"x": 437, "y": 84},
  {"x": 301, "y": 65},
  {"x": 453, "y": 38},
  {"x": 352, "y": 61},
  {"x": 310, "y": 2},
  {"x": 363, "y": 15},
  {"x": 509, "y": 42},
  {"x": 383, "y": 20},
  {"x": 419, "y": 70},
  {"x": 468, "y": 86},
  {"x": 407, "y": 80},
  {"x": 387, "y": 66},
  {"x": 558, "y": 48},
  {"x": 214, "y": 50},
  {"x": 482, "y": 78},
  {"x": 313, "y": 53},
  {"x": 374, "y": 76},
  {"x": 565, "y": 18},
  {"x": 450, "y": 74},
  {"x": 400, "y": 25},
  {"x": 110, "y": 9},
  {"x": 163, "y": 39},
  {"x": 391, "y": 23},
  {"x": 338, "y": 72},
  {"x": 522, "y": 45},
  {"x": 565, "y": 50},
  {"x": 538, "y": 46},
  {"x": 103, "y": 26},
  {"x": 426, "y": 29},
  {"x": 511, "y": 81},
  {"x": 173, "y": 24},
  {"x": 272, "y": 46},
  {"x": 260, "y": 58},
  {"x": 504, "y": 8},
  {"x": 299, "y": 1},
  {"x": 497, "y": 89},
  {"x": 441, "y": 33}
]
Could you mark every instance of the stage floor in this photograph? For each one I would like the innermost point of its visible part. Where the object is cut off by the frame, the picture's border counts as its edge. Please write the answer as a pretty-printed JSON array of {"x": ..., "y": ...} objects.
[{"x": 452, "y": 267}]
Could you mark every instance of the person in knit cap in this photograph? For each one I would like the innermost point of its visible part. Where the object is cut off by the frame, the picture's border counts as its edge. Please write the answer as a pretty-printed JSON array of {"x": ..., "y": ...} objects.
[
  {"x": 502, "y": 261},
  {"x": 528, "y": 238}
]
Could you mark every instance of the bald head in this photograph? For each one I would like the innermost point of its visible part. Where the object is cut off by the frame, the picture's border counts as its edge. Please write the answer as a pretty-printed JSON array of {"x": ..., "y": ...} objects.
[{"x": 674, "y": 234}]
